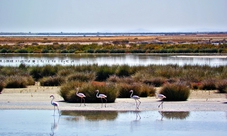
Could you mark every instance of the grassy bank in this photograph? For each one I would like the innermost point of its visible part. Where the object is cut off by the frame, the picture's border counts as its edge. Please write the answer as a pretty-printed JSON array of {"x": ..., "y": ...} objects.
[{"x": 116, "y": 81}]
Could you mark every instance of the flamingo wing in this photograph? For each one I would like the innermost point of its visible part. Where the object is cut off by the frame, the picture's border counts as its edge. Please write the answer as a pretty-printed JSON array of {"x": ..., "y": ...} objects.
[
  {"x": 55, "y": 104},
  {"x": 81, "y": 95},
  {"x": 102, "y": 96},
  {"x": 135, "y": 97}
]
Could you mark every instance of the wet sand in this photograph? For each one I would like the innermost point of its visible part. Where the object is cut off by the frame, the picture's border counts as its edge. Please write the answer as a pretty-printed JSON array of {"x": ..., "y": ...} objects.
[{"x": 38, "y": 98}]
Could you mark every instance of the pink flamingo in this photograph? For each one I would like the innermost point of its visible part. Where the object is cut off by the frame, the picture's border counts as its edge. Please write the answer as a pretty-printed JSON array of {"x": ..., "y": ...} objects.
[
  {"x": 101, "y": 96},
  {"x": 161, "y": 97},
  {"x": 136, "y": 98},
  {"x": 81, "y": 95},
  {"x": 55, "y": 104}
]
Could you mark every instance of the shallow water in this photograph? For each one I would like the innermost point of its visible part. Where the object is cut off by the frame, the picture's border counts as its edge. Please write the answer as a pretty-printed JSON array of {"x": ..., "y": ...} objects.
[
  {"x": 107, "y": 59},
  {"x": 111, "y": 123}
]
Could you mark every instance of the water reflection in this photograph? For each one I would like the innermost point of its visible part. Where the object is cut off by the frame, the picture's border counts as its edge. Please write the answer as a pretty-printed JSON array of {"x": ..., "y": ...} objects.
[
  {"x": 90, "y": 115},
  {"x": 174, "y": 115},
  {"x": 54, "y": 125},
  {"x": 107, "y": 59}
]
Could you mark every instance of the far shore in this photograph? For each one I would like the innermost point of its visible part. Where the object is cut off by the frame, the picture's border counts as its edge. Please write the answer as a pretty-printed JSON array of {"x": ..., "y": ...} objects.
[{"x": 38, "y": 98}]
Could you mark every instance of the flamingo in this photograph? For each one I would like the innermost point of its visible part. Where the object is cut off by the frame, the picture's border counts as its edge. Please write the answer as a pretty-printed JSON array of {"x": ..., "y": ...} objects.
[
  {"x": 161, "y": 97},
  {"x": 101, "y": 96},
  {"x": 81, "y": 95},
  {"x": 55, "y": 104},
  {"x": 136, "y": 98}
]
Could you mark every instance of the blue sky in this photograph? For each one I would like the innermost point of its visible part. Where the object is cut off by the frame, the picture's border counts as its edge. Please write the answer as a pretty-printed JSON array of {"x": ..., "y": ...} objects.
[{"x": 113, "y": 15}]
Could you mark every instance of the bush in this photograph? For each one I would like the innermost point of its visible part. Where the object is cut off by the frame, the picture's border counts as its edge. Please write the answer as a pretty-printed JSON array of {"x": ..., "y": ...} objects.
[
  {"x": 104, "y": 72},
  {"x": 67, "y": 87},
  {"x": 175, "y": 92},
  {"x": 157, "y": 82},
  {"x": 68, "y": 91},
  {"x": 208, "y": 85},
  {"x": 139, "y": 89},
  {"x": 16, "y": 82},
  {"x": 83, "y": 77},
  {"x": 2, "y": 85},
  {"x": 123, "y": 71},
  {"x": 222, "y": 86},
  {"x": 52, "y": 81}
]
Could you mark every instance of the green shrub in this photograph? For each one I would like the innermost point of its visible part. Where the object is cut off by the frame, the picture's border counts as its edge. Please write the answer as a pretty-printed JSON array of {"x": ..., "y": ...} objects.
[
  {"x": 222, "y": 86},
  {"x": 175, "y": 92},
  {"x": 104, "y": 72},
  {"x": 52, "y": 81},
  {"x": 123, "y": 71}
]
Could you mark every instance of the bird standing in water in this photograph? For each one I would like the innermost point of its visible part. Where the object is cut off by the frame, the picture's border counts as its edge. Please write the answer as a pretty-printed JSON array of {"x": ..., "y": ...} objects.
[
  {"x": 136, "y": 98},
  {"x": 55, "y": 104},
  {"x": 81, "y": 95},
  {"x": 161, "y": 97},
  {"x": 101, "y": 96}
]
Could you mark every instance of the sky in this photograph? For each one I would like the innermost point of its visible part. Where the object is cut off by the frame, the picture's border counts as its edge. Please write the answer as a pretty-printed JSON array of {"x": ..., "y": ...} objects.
[{"x": 113, "y": 15}]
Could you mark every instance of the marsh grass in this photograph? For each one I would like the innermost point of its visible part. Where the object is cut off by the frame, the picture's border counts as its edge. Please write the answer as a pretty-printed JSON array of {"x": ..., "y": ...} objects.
[{"x": 175, "y": 92}]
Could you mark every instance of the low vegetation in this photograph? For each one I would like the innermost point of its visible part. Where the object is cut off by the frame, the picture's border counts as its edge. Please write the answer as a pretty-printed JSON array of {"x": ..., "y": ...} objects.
[{"x": 116, "y": 81}]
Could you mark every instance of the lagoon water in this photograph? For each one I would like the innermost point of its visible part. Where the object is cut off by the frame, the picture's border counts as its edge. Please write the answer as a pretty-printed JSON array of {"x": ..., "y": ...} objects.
[
  {"x": 112, "y": 123},
  {"x": 109, "y": 59}
]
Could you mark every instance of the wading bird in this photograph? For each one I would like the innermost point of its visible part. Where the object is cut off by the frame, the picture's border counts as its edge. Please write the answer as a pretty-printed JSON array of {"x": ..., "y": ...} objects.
[
  {"x": 161, "y": 97},
  {"x": 136, "y": 98},
  {"x": 55, "y": 104},
  {"x": 81, "y": 95},
  {"x": 101, "y": 96}
]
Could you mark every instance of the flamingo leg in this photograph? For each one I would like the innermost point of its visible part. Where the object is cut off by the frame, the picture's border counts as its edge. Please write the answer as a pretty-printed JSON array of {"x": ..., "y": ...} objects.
[
  {"x": 138, "y": 104},
  {"x": 106, "y": 101},
  {"x": 160, "y": 104},
  {"x": 58, "y": 111},
  {"x": 80, "y": 101},
  {"x": 54, "y": 110},
  {"x": 102, "y": 102},
  {"x": 84, "y": 102}
]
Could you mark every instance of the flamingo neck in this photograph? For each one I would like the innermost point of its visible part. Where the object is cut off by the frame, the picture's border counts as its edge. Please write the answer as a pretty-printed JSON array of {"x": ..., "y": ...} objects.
[
  {"x": 52, "y": 100},
  {"x": 97, "y": 94},
  {"x": 131, "y": 94}
]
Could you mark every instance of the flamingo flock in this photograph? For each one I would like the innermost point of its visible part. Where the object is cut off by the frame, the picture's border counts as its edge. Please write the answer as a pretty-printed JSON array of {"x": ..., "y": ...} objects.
[{"x": 104, "y": 97}]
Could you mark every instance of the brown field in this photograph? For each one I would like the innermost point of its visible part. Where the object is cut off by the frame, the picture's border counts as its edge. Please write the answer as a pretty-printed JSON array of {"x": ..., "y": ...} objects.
[{"x": 173, "y": 38}]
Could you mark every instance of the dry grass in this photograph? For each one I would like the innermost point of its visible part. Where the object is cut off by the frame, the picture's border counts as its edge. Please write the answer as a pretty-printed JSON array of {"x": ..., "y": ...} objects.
[{"x": 175, "y": 38}]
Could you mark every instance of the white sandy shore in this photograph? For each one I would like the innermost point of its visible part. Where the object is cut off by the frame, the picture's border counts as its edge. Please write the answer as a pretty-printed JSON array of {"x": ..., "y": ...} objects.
[
  {"x": 37, "y": 98},
  {"x": 201, "y": 56}
]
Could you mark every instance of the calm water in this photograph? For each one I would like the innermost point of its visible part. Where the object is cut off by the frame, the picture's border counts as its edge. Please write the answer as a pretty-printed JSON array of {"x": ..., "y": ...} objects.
[
  {"x": 105, "y": 59},
  {"x": 111, "y": 123}
]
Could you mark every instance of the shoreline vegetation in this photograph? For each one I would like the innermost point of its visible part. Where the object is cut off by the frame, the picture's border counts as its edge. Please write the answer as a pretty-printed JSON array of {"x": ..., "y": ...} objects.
[
  {"x": 116, "y": 81},
  {"x": 176, "y": 82},
  {"x": 190, "y": 43}
]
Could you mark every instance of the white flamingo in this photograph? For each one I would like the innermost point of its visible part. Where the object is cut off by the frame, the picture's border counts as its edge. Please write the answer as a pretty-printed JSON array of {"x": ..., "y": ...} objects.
[
  {"x": 55, "y": 104},
  {"x": 81, "y": 95},
  {"x": 101, "y": 96},
  {"x": 161, "y": 97},
  {"x": 136, "y": 98}
]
